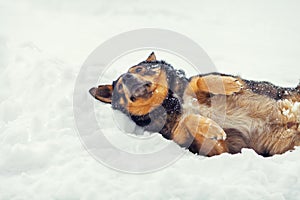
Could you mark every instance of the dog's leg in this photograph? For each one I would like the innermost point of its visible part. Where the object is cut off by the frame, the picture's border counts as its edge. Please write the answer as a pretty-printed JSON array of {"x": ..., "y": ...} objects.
[
  {"x": 216, "y": 84},
  {"x": 276, "y": 142},
  {"x": 200, "y": 135}
]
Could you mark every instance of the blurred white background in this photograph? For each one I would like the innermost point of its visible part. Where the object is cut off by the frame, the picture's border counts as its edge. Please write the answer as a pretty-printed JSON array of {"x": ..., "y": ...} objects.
[{"x": 42, "y": 46}]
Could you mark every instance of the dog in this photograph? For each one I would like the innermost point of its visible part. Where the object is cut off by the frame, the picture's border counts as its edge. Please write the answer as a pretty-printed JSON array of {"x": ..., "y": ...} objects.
[{"x": 209, "y": 114}]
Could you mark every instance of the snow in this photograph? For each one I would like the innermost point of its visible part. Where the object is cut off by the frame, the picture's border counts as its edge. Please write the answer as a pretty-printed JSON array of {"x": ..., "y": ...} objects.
[
  {"x": 296, "y": 109},
  {"x": 290, "y": 109},
  {"x": 42, "y": 47}
]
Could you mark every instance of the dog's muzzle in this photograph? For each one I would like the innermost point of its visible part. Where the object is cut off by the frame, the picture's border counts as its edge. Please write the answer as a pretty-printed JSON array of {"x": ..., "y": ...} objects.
[{"x": 137, "y": 88}]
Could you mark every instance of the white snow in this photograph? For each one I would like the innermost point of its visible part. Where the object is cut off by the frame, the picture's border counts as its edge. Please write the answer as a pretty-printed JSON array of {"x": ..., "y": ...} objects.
[
  {"x": 42, "y": 46},
  {"x": 290, "y": 109},
  {"x": 296, "y": 110}
]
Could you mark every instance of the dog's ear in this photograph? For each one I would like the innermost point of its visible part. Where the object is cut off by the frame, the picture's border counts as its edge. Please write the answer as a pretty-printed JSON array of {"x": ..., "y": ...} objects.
[
  {"x": 102, "y": 93},
  {"x": 298, "y": 86},
  {"x": 152, "y": 57}
]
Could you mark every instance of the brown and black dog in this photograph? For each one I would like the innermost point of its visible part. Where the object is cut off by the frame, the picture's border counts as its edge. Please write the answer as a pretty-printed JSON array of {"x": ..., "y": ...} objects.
[{"x": 210, "y": 113}]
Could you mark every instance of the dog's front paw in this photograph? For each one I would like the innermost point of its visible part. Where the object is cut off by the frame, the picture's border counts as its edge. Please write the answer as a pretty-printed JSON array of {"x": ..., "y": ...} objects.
[
  {"x": 218, "y": 84},
  {"x": 197, "y": 124},
  {"x": 211, "y": 130},
  {"x": 201, "y": 135},
  {"x": 231, "y": 85}
]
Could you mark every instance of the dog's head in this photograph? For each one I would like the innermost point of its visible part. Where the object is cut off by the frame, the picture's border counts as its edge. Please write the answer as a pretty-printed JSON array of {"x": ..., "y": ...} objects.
[{"x": 139, "y": 91}]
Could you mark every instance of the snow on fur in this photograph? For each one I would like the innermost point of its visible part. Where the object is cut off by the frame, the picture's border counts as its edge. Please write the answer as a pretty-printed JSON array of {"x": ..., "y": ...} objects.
[{"x": 42, "y": 46}]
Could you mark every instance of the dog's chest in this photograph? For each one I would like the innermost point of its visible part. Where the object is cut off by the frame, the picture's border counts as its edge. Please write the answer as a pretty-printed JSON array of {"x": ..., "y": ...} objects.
[
  {"x": 231, "y": 112},
  {"x": 216, "y": 110}
]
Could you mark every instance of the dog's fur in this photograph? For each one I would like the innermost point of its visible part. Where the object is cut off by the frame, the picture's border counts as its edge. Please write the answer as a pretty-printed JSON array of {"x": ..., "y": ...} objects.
[{"x": 210, "y": 113}]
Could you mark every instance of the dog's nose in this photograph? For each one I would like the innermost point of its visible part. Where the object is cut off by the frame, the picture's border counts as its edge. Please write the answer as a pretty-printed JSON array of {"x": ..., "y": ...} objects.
[{"x": 127, "y": 77}]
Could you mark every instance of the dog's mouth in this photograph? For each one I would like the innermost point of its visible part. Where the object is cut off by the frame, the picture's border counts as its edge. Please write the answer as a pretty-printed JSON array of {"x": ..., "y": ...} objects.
[{"x": 141, "y": 91}]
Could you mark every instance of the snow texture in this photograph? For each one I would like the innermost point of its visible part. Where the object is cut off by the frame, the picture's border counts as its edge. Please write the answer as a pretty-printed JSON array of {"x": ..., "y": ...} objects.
[{"x": 42, "y": 46}]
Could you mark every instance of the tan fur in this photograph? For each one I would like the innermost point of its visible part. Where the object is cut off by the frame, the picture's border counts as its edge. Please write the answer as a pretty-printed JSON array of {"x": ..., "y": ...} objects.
[
  {"x": 206, "y": 135},
  {"x": 152, "y": 57},
  {"x": 215, "y": 84},
  {"x": 219, "y": 113},
  {"x": 144, "y": 106},
  {"x": 257, "y": 117},
  {"x": 102, "y": 93}
]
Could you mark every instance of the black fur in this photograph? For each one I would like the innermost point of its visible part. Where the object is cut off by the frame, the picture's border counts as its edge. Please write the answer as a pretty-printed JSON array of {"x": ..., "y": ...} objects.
[
  {"x": 270, "y": 90},
  {"x": 163, "y": 118}
]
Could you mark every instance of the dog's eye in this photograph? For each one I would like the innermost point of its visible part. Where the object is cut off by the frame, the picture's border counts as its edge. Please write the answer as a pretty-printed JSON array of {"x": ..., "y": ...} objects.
[
  {"x": 132, "y": 99},
  {"x": 120, "y": 87},
  {"x": 139, "y": 69}
]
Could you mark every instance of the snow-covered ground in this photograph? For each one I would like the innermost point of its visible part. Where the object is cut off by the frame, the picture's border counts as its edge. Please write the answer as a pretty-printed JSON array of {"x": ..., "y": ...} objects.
[{"x": 42, "y": 47}]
